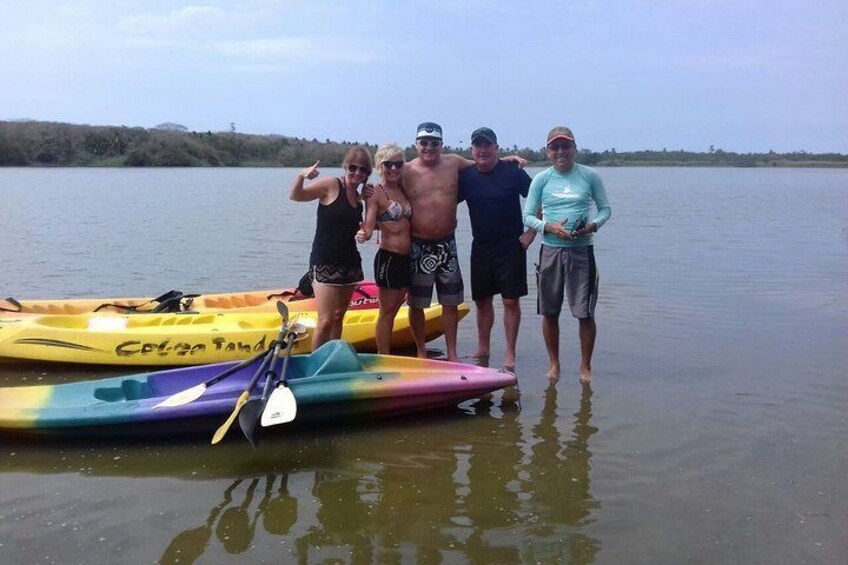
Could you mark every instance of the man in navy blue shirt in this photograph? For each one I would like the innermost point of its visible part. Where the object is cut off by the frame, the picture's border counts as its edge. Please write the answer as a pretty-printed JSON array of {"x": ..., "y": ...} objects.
[{"x": 492, "y": 190}]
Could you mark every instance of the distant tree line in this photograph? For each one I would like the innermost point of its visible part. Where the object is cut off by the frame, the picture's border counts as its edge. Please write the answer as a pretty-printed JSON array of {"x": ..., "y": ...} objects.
[
  {"x": 25, "y": 143},
  {"x": 33, "y": 143}
]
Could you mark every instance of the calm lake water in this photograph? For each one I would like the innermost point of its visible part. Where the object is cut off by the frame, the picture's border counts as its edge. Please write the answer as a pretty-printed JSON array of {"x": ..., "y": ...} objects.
[{"x": 716, "y": 430}]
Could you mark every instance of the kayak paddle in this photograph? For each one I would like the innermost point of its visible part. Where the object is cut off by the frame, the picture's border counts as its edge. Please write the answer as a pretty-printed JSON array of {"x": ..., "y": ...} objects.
[
  {"x": 241, "y": 400},
  {"x": 281, "y": 406},
  {"x": 191, "y": 394},
  {"x": 245, "y": 395},
  {"x": 253, "y": 410}
]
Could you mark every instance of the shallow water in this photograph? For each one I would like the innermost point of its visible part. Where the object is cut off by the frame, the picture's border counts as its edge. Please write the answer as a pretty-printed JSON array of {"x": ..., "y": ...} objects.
[{"x": 715, "y": 430}]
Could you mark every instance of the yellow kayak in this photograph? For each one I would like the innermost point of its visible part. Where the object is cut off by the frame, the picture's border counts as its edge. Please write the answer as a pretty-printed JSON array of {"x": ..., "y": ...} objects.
[
  {"x": 184, "y": 338},
  {"x": 364, "y": 296}
]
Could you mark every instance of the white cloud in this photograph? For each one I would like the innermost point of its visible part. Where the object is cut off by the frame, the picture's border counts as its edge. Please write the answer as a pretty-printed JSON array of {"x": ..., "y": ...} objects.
[
  {"x": 190, "y": 20},
  {"x": 234, "y": 40},
  {"x": 292, "y": 48}
]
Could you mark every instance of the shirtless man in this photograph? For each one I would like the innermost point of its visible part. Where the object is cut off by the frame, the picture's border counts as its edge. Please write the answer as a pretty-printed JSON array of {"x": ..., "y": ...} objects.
[{"x": 431, "y": 184}]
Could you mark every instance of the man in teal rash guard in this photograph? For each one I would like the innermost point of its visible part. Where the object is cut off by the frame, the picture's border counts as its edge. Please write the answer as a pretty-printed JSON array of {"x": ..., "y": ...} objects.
[{"x": 565, "y": 192}]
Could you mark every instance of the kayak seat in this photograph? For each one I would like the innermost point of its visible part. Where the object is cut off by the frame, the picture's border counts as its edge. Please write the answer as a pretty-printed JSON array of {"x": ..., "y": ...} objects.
[
  {"x": 129, "y": 389},
  {"x": 335, "y": 356}
]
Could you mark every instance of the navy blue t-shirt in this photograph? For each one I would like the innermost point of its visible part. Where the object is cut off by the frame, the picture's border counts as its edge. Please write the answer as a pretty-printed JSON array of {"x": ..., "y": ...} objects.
[{"x": 494, "y": 203}]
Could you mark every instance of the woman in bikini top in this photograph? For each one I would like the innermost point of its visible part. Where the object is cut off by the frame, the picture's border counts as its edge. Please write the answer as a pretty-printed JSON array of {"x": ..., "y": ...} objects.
[
  {"x": 388, "y": 210},
  {"x": 395, "y": 211}
]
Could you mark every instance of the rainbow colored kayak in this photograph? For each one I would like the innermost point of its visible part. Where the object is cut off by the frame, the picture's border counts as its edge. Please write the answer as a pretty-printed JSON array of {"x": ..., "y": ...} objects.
[
  {"x": 364, "y": 296},
  {"x": 330, "y": 384}
]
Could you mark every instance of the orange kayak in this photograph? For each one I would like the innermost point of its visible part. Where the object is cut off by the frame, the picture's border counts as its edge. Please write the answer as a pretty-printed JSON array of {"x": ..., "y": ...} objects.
[{"x": 364, "y": 296}]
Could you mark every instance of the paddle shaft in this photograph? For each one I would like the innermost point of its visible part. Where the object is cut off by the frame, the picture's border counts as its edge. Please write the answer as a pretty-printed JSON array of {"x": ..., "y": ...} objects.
[
  {"x": 282, "y": 402},
  {"x": 245, "y": 395},
  {"x": 218, "y": 378},
  {"x": 269, "y": 356},
  {"x": 252, "y": 409},
  {"x": 242, "y": 400},
  {"x": 289, "y": 345},
  {"x": 270, "y": 372},
  {"x": 282, "y": 377}
]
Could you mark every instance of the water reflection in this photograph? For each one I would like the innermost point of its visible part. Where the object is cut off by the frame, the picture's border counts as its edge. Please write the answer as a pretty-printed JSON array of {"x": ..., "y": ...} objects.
[
  {"x": 236, "y": 527},
  {"x": 233, "y": 525},
  {"x": 190, "y": 544},
  {"x": 559, "y": 475},
  {"x": 279, "y": 513},
  {"x": 339, "y": 532},
  {"x": 475, "y": 491},
  {"x": 491, "y": 501},
  {"x": 723, "y": 345}
]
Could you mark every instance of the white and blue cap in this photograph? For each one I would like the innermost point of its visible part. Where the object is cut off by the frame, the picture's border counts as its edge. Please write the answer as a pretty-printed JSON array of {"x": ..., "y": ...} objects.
[{"x": 429, "y": 129}]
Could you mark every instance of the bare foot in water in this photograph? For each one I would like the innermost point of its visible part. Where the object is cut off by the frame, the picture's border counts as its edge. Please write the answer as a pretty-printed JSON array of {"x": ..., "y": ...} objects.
[
  {"x": 585, "y": 375},
  {"x": 553, "y": 372}
]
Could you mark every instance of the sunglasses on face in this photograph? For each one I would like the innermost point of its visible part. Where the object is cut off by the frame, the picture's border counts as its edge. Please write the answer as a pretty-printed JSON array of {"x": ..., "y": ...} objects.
[
  {"x": 354, "y": 168},
  {"x": 425, "y": 143},
  {"x": 392, "y": 164},
  {"x": 556, "y": 147}
]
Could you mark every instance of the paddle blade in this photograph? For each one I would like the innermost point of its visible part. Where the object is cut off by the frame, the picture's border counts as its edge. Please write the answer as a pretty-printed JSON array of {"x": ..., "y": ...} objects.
[
  {"x": 222, "y": 430},
  {"x": 249, "y": 417},
  {"x": 281, "y": 407},
  {"x": 183, "y": 397},
  {"x": 298, "y": 330},
  {"x": 309, "y": 322},
  {"x": 283, "y": 311}
]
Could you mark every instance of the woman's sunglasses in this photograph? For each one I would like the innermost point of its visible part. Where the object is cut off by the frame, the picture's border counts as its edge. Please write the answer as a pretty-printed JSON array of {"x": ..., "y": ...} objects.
[
  {"x": 354, "y": 168},
  {"x": 393, "y": 164},
  {"x": 425, "y": 143}
]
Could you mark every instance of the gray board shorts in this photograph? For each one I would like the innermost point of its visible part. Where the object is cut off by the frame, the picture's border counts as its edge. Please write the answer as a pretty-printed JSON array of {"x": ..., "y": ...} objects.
[{"x": 571, "y": 272}]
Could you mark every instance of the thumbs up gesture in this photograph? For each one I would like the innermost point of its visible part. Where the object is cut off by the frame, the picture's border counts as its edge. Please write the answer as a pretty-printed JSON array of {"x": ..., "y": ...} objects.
[
  {"x": 361, "y": 235},
  {"x": 310, "y": 172}
]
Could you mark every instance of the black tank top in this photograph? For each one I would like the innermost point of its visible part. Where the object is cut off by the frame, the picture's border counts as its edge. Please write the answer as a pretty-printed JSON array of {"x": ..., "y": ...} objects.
[{"x": 334, "y": 242}]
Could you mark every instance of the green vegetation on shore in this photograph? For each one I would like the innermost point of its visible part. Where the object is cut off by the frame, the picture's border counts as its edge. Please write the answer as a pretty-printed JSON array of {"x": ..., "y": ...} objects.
[{"x": 32, "y": 143}]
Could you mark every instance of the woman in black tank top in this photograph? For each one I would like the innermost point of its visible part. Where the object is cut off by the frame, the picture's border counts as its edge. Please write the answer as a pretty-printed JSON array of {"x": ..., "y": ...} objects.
[{"x": 335, "y": 264}]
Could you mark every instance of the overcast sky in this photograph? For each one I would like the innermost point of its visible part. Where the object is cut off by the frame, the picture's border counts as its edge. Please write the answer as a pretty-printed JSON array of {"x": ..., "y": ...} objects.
[{"x": 735, "y": 74}]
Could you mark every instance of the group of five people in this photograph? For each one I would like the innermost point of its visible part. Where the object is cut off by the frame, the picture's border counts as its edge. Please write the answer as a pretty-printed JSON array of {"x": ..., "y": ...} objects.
[{"x": 414, "y": 207}]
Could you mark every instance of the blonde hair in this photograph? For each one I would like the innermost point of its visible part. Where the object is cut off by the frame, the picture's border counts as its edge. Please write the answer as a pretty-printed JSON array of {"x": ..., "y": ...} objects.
[
  {"x": 358, "y": 153},
  {"x": 384, "y": 152}
]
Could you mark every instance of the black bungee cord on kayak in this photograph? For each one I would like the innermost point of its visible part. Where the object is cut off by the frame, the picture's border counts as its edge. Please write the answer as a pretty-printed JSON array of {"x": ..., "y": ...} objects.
[{"x": 173, "y": 301}]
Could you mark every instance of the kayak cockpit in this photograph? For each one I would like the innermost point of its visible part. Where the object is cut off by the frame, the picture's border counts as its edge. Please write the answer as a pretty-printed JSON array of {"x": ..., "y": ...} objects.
[{"x": 129, "y": 389}]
